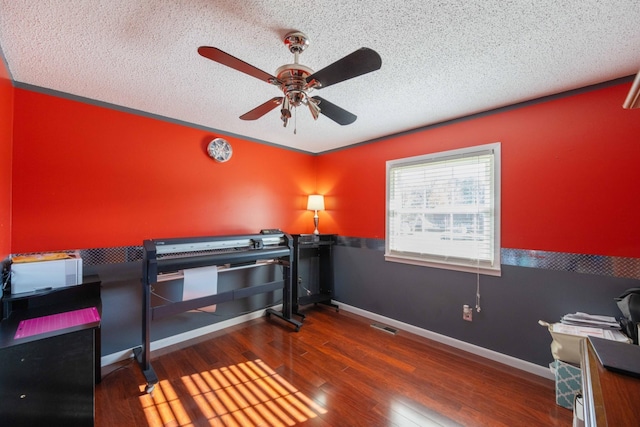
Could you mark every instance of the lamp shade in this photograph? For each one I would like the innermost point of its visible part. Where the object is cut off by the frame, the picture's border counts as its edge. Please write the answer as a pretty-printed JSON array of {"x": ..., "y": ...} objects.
[{"x": 315, "y": 202}]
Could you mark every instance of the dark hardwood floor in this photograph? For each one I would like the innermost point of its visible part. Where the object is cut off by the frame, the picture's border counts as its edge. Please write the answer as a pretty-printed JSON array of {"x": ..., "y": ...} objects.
[{"x": 337, "y": 371}]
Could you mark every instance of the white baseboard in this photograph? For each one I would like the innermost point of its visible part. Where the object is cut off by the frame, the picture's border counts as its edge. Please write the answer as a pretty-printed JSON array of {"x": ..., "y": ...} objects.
[
  {"x": 452, "y": 342},
  {"x": 465, "y": 346},
  {"x": 188, "y": 335}
]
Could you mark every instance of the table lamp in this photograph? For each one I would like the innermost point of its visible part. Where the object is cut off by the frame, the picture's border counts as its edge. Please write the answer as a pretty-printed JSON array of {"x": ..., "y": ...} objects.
[{"x": 315, "y": 203}]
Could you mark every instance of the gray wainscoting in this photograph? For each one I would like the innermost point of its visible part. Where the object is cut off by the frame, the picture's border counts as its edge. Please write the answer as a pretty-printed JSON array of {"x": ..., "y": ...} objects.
[{"x": 534, "y": 286}]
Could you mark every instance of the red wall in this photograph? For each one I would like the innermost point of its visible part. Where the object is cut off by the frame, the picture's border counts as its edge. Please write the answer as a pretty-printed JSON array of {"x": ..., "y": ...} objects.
[
  {"x": 6, "y": 142},
  {"x": 85, "y": 176},
  {"x": 570, "y": 174}
]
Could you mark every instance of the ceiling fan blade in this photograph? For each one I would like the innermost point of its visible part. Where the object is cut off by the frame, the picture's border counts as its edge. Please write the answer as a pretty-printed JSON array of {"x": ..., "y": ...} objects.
[
  {"x": 262, "y": 109},
  {"x": 335, "y": 113},
  {"x": 224, "y": 58},
  {"x": 362, "y": 61}
]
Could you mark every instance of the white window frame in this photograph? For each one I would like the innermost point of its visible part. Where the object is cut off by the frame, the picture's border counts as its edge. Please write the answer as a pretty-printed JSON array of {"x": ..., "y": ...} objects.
[{"x": 423, "y": 255}]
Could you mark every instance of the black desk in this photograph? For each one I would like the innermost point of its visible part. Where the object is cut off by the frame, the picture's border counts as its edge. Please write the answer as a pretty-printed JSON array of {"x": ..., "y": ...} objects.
[{"x": 49, "y": 378}]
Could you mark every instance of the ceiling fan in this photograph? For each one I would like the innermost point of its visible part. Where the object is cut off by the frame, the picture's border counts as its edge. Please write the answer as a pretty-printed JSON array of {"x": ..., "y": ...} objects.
[{"x": 296, "y": 81}]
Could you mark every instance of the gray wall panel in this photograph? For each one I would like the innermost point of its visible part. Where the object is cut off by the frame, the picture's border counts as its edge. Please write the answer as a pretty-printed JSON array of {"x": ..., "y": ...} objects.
[
  {"x": 534, "y": 286},
  {"x": 432, "y": 299}
]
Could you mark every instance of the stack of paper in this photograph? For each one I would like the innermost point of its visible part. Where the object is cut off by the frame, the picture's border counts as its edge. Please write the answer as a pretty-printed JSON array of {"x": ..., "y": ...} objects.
[
  {"x": 585, "y": 331},
  {"x": 590, "y": 320}
]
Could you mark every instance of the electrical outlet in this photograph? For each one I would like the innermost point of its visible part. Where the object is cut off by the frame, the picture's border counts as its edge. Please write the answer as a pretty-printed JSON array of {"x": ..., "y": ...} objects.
[{"x": 467, "y": 313}]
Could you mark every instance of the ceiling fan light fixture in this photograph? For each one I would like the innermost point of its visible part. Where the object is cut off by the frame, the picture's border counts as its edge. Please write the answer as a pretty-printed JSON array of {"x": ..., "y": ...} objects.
[
  {"x": 633, "y": 98},
  {"x": 285, "y": 111},
  {"x": 313, "y": 107}
]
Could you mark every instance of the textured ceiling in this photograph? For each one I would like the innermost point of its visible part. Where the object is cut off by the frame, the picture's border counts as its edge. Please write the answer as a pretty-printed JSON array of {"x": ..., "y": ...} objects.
[{"x": 440, "y": 59}]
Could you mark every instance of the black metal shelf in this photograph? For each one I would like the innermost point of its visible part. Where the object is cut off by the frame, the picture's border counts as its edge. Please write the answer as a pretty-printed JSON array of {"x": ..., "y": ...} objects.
[{"x": 313, "y": 270}]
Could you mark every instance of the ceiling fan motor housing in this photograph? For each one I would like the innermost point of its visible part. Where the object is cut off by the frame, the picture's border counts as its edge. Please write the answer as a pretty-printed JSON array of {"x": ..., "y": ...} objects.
[{"x": 293, "y": 82}]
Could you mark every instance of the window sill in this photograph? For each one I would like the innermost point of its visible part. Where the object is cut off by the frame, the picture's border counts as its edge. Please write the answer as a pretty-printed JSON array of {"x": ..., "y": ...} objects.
[{"x": 467, "y": 268}]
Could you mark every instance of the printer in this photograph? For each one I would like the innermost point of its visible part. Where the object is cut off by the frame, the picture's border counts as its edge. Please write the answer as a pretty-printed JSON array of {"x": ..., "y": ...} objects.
[{"x": 32, "y": 273}]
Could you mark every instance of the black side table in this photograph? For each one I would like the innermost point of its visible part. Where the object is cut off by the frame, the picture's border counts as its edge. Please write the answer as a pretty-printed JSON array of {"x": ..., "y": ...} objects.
[{"x": 312, "y": 270}]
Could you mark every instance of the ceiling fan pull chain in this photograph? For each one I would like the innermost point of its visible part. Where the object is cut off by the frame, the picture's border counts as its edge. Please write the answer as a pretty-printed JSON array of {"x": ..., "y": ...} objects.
[{"x": 295, "y": 121}]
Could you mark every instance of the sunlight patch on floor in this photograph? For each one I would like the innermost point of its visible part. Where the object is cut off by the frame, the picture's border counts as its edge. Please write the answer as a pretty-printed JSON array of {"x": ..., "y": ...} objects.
[
  {"x": 406, "y": 413},
  {"x": 247, "y": 394}
]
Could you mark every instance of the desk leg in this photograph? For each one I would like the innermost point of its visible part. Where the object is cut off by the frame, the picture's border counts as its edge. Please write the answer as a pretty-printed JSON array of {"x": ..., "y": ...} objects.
[
  {"x": 291, "y": 320},
  {"x": 287, "y": 313},
  {"x": 147, "y": 370},
  {"x": 143, "y": 353},
  {"x": 330, "y": 304}
]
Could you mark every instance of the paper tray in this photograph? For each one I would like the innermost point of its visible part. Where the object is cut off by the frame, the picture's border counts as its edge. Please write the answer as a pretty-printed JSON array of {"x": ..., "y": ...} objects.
[{"x": 567, "y": 338}]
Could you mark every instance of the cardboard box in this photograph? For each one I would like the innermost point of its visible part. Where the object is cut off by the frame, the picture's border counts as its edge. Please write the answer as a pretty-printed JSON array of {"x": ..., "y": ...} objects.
[{"x": 568, "y": 382}]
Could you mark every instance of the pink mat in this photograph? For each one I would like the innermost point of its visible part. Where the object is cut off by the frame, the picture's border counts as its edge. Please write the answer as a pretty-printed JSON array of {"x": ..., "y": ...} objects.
[{"x": 55, "y": 322}]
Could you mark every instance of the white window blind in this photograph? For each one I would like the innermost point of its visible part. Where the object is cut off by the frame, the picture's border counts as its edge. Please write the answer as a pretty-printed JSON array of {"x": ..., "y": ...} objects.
[{"x": 443, "y": 209}]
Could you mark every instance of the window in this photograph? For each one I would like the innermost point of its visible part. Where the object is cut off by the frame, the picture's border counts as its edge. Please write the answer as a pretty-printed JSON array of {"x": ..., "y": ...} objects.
[{"x": 443, "y": 210}]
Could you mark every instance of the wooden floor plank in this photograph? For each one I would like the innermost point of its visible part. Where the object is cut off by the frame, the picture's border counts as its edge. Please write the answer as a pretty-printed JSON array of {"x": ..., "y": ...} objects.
[{"x": 336, "y": 371}]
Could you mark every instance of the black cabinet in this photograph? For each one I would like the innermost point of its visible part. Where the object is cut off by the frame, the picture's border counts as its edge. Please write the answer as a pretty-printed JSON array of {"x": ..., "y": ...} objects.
[
  {"x": 48, "y": 381},
  {"x": 313, "y": 270},
  {"x": 49, "y": 378}
]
